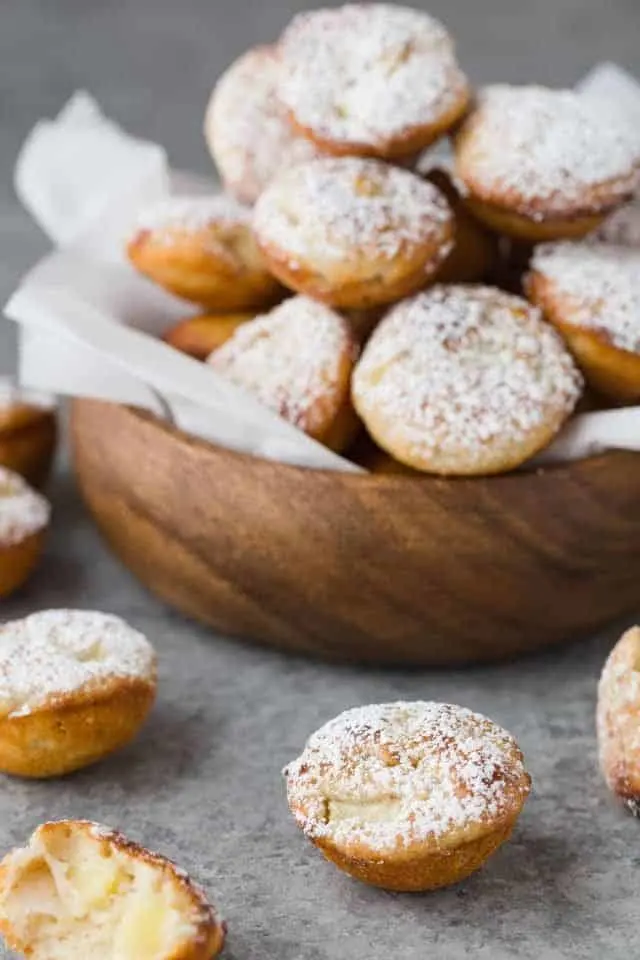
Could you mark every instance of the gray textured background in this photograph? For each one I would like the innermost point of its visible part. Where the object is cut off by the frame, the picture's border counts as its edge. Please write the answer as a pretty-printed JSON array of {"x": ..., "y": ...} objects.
[{"x": 202, "y": 784}]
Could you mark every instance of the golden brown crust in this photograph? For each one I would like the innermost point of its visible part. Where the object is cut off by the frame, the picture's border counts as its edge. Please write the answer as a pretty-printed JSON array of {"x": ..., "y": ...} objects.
[
  {"x": 74, "y": 687},
  {"x": 203, "y": 250},
  {"x": 408, "y": 796},
  {"x": 353, "y": 233},
  {"x": 617, "y": 720},
  {"x": 475, "y": 253},
  {"x": 538, "y": 188},
  {"x": 199, "y": 336},
  {"x": 426, "y": 400},
  {"x": 531, "y": 229},
  {"x": 18, "y": 561},
  {"x": 28, "y": 434},
  {"x": 609, "y": 369},
  {"x": 206, "y": 936},
  {"x": 75, "y": 730},
  {"x": 410, "y": 142},
  {"x": 612, "y": 372},
  {"x": 420, "y": 873}
]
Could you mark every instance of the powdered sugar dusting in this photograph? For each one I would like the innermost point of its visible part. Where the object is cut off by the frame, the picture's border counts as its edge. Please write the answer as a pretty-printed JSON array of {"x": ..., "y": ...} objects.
[
  {"x": 23, "y": 512},
  {"x": 392, "y": 774},
  {"x": 11, "y": 394},
  {"x": 191, "y": 214},
  {"x": 368, "y": 73},
  {"x": 347, "y": 207},
  {"x": 246, "y": 126},
  {"x": 623, "y": 227},
  {"x": 465, "y": 368},
  {"x": 290, "y": 359},
  {"x": 619, "y": 686},
  {"x": 51, "y": 654},
  {"x": 553, "y": 145},
  {"x": 617, "y": 718},
  {"x": 602, "y": 282}
]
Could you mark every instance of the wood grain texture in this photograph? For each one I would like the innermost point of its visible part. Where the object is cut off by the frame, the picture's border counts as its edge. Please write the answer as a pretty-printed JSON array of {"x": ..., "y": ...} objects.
[{"x": 387, "y": 569}]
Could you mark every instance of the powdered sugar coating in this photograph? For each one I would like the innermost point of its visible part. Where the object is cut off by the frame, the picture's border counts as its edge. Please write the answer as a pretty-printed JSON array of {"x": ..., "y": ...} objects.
[
  {"x": 55, "y": 653},
  {"x": 342, "y": 208},
  {"x": 368, "y": 74},
  {"x": 295, "y": 360},
  {"x": 619, "y": 685},
  {"x": 23, "y": 511},
  {"x": 533, "y": 144},
  {"x": 463, "y": 377},
  {"x": 12, "y": 394},
  {"x": 247, "y": 129},
  {"x": 619, "y": 102},
  {"x": 622, "y": 227},
  {"x": 177, "y": 215},
  {"x": 617, "y": 719},
  {"x": 600, "y": 287},
  {"x": 392, "y": 775}
]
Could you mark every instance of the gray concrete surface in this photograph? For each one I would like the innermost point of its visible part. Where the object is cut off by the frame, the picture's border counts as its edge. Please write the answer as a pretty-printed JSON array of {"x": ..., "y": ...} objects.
[{"x": 202, "y": 784}]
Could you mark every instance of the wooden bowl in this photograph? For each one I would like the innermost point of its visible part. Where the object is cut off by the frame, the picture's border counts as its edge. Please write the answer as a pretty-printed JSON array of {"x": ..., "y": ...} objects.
[{"x": 386, "y": 569}]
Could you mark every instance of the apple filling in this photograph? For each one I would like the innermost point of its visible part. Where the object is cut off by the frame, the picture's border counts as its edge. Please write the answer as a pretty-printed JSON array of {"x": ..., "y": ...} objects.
[{"x": 70, "y": 893}]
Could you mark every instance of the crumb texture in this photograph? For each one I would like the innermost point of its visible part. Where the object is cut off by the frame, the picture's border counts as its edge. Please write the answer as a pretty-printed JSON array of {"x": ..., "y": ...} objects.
[{"x": 79, "y": 887}]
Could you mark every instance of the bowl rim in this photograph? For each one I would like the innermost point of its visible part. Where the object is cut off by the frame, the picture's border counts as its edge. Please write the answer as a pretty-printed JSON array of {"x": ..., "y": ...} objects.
[{"x": 571, "y": 468}]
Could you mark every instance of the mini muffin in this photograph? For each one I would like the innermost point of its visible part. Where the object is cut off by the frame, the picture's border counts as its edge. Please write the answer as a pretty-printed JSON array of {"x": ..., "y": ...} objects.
[
  {"x": 28, "y": 431},
  {"x": 79, "y": 889},
  {"x": 200, "y": 336},
  {"x": 408, "y": 796},
  {"x": 543, "y": 164},
  {"x": 297, "y": 360},
  {"x": 475, "y": 254},
  {"x": 623, "y": 227},
  {"x": 464, "y": 381},
  {"x": 352, "y": 232},
  {"x": 617, "y": 720},
  {"x": 591, "y": 293},
  {"x": 24, "y": 520},
  {"x": 74, "y": 686},
  {"x": 371, "y": 79},
  {"x": 201, "y": 248},
  {"x": 247, "y": 129}
]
